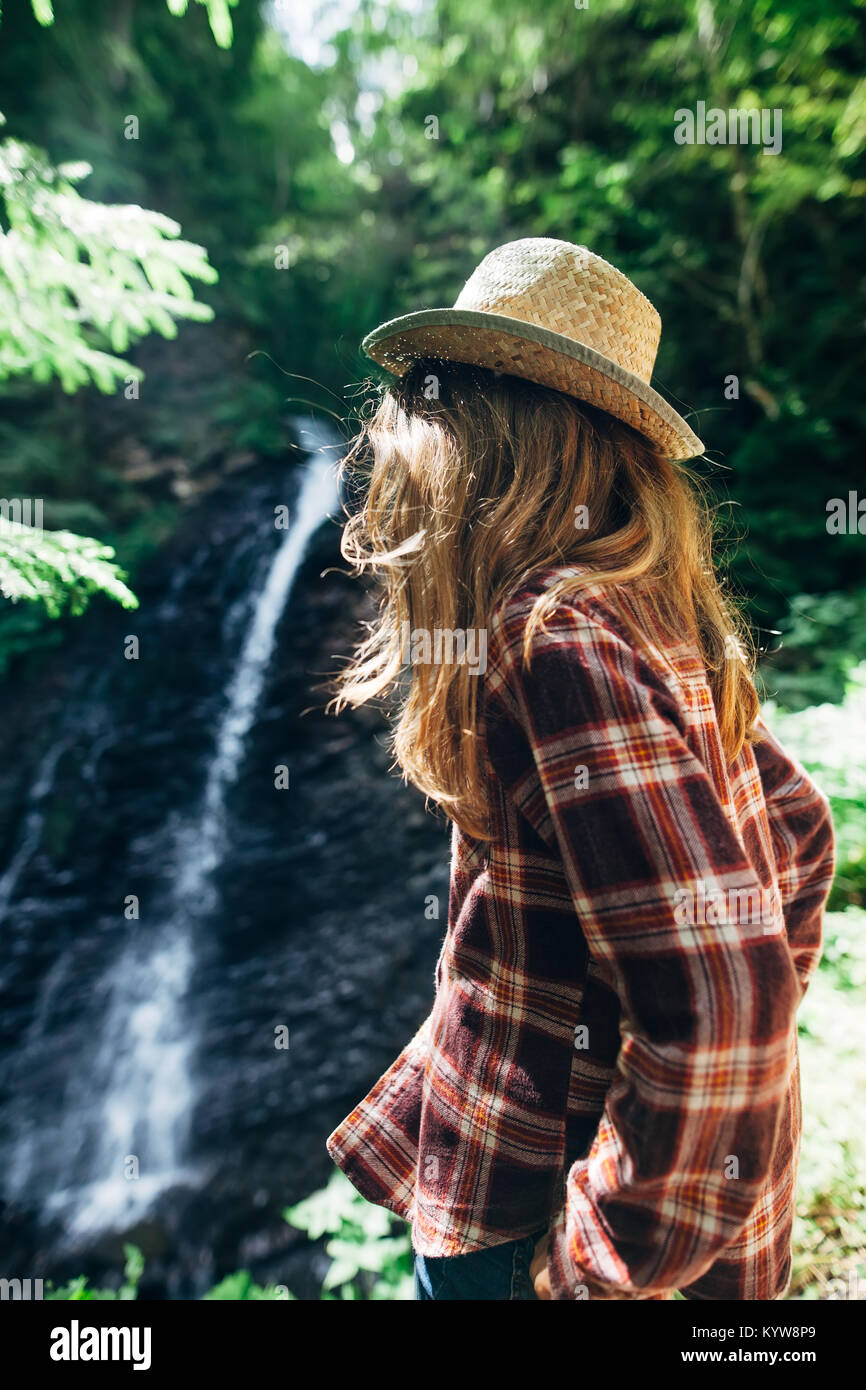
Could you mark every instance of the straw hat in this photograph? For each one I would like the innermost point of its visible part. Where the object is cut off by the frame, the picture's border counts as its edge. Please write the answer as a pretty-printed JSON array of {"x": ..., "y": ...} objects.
[{"x": 556, "y": 314}]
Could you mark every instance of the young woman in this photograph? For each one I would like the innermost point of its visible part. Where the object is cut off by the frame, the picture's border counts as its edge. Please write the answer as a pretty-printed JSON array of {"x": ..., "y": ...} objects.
[{"x": 604, "y": 1099}]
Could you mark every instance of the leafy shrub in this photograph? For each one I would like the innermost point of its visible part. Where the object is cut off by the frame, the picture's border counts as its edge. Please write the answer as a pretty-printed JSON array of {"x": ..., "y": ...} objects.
[
  {"x": 830, "y": 1227},
  {"x": 830, "y": 741},
  {"x": 59, "y": 570},
  {"x": 371, "y": 1257},
  {"x": 77, "y": 277}
]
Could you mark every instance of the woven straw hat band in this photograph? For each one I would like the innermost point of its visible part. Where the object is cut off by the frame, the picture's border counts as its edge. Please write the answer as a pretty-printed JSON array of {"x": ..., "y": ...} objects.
[{"x": 568, "y": 289}]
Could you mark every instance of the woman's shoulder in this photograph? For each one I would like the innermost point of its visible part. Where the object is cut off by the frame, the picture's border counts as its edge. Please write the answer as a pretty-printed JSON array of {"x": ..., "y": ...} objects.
[
  {"x": 593, "y": 624},
  {"x": 572, "y": 603},
  {"x": 569, "y": 588}
]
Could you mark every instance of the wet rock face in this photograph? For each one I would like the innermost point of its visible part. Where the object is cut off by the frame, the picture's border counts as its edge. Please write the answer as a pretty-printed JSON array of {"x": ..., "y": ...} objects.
[{"x": 313, "y": 925}]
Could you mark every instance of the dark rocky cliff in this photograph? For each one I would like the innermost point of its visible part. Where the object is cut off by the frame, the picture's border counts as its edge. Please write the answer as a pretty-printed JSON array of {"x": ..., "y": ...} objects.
[{"x": 312, "y": 917}]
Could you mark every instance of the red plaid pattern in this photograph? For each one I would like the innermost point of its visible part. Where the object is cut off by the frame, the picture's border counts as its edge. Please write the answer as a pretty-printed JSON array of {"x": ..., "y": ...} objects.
[{"x": 612, "y": 1047}]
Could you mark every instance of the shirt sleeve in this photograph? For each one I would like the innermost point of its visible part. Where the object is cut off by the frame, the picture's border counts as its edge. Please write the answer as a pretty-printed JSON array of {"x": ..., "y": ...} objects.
[
  {"x": 376, "y": 1145},
  {"x": 801, "y": 826},
  {"x": 707, "y": 1011}
]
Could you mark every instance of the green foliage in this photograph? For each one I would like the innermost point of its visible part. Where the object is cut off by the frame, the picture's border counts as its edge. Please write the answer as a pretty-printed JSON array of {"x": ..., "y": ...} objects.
[
  {"x": 218, "y": 12},
  {"x": 552, "y": 121},
  {"x": 81, "y": 281},
  {"x": 823, "y": 638},
  {"x": 76, "y": 1290},
  {"x": 58, "y": 569},
  {"x": 76, "y": 276},
  {"x": 829, "y": 740},
  {"x": 369, "y": 1259},
  {"x": 229, "y": 142},
  {"x": 830, "y": 1228},
  {"x": 556, "y": 121},
  {"x": 241, "y": 1286}
]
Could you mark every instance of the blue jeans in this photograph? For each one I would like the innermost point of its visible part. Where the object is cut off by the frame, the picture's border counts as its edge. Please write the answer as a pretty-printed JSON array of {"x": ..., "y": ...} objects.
[{"x": 499, "y": 1272}]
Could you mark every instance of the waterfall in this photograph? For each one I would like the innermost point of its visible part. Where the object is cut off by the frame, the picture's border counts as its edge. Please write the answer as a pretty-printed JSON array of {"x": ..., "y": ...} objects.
[
  {"x": 142, "y": 1067},
  {"x": 203, "y": 844}
]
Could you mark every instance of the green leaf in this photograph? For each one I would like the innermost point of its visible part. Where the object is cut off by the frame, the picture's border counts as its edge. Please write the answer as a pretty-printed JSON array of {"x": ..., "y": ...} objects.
[
  {"x": 220, "y": 21},
  {"x": 77, "y": 277},
  {"x": 58, "y": 569},
  {"x": 43, "y": 11}
]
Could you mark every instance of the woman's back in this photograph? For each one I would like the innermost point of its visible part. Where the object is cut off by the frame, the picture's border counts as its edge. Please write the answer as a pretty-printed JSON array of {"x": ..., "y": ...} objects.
[
  {"x": 630, "y": 883},
  {"x": 638, "y": 870}
]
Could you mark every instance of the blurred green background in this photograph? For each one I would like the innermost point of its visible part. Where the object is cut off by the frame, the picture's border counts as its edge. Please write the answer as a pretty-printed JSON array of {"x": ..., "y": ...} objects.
[{"x": 280, "y": 178}]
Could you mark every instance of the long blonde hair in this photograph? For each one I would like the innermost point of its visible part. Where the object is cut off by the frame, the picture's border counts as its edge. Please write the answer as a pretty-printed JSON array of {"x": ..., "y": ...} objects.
[{"x": 472, "y": 479}]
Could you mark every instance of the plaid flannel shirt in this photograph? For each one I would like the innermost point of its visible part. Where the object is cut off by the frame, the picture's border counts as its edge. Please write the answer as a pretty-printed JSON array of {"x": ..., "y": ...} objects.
[{"x": 612, "y": 1047}]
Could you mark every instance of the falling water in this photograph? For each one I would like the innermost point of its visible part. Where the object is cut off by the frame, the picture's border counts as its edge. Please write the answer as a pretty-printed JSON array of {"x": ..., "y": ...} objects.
[
  {"x": 205, "y": 845},
  {"x": 145, "y": 1049},
  {"x": 33, "y": 821}
]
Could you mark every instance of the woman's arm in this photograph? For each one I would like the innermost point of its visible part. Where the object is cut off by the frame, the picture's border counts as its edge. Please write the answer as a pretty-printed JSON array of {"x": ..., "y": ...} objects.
[
  {"x": 376, "y": 1144},
  {"x": 802, "y": 832},
  {"x": 707, "y": 1010}
]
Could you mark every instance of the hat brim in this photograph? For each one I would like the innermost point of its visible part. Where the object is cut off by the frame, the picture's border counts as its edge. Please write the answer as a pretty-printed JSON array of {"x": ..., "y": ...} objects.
[{"x": 512, "y": 345}]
